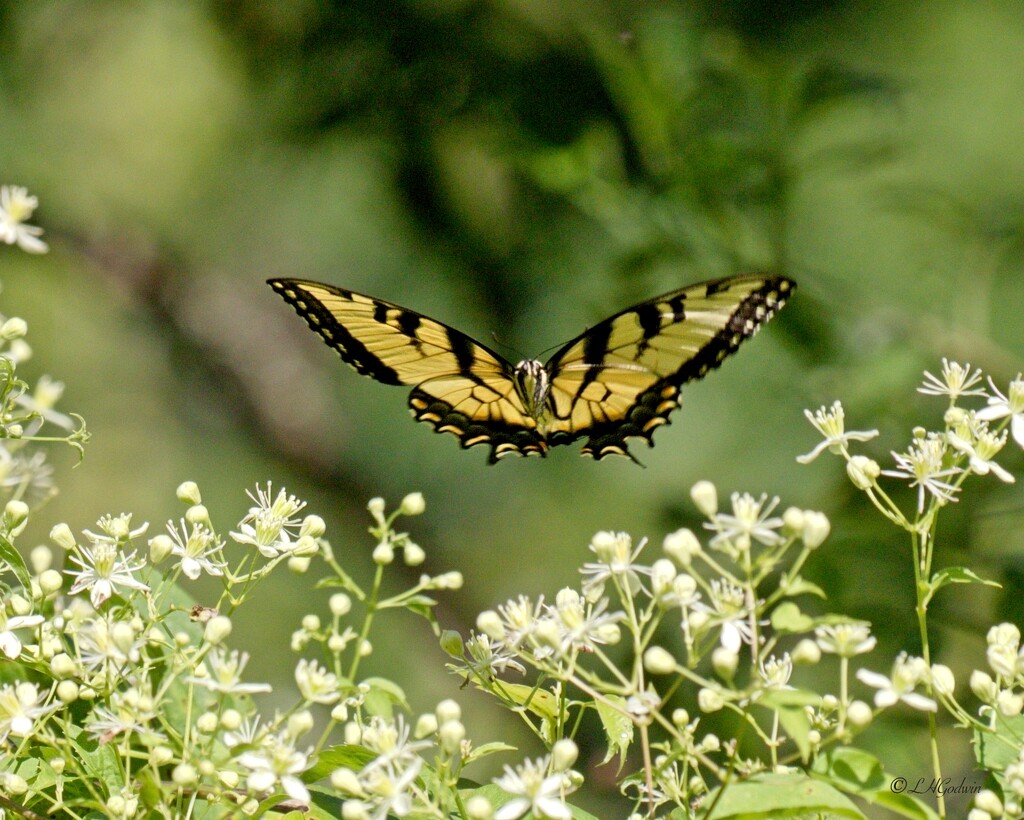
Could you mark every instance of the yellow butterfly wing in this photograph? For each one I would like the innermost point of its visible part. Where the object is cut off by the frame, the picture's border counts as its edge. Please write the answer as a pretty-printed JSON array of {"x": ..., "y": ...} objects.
[
  {"x": 460, "y": 386},
  {"x": 621, "y": 378}
]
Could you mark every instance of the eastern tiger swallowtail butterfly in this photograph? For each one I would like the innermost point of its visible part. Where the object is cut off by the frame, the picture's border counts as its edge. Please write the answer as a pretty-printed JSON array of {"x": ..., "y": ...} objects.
[{"x": 617, "y": 380}]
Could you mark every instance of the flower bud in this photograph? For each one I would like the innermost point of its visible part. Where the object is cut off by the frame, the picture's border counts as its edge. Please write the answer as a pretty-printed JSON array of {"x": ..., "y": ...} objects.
[
  {"x": 15, "y": 514},
  {"x": 340, "y": 604},
  {"x": 217, "y": 629},
  {"x": 50, "y": 582},
  {"x": 450, "y": 736},
  {"x": 298, "y": 564},
  {"x": 13, "y": 328},
  {"x": 62, "y": 666},
  {"x": 806, "y": 651},
  {"x": 184, "y": 774},
  {"x": 300, "y": 723},
  {"x": 413, "y": 504},
  {"x": 563, "y": 755},
  {"x": 659, "y": 661},
  {"x": 705, "y": 497},
  {"x": 863, "y": 471},
  {"x": 40, "y": 559},
  {"x": 62, "y": 536},
  {"x": 451, "y": 643},
  {"x": 207, "y": 723},
  {"x": 489, "y": 622},
  {"x": 426, "y": 725},
  {"x": 160, "y": 546},
  {"x": 859, "y": 714},
  {"x": 448, "y": 709},
  {"x": 67, "y": 691},
  {"x": 984, "y": 687},
  {"x": 479, "y": 807},
  {"x": 188, "y": 493},
  {"x": 682, "y": 546},
  {"x": 413, "y": 554},
  {"x": 816, "y": 529},
  {"x": 942, "y": 679},
  {"x": 724, "y": 661},
  {"x": 383, "y": 553},
  {"x": 709, "y": 700}
]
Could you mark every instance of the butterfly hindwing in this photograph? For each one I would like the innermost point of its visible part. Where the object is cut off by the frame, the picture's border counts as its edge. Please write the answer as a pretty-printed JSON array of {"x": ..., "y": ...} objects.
[
  {"x": 621, "y": 378},
  {"x": 461, "y": 386}
]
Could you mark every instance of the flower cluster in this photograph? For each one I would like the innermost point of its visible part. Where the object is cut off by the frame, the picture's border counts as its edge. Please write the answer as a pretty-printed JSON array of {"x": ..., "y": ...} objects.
[
  {"x": 166, "y": 694},
  {"x": 704, "y": 618}
]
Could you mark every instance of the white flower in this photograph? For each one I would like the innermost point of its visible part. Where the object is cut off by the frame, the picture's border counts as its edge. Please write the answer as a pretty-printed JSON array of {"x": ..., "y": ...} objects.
[
  {"x": 1012, "y": 405},
  {"x": 907, "y": 673},
  {"x": 315, "y": 683},
  {"x": 490, "y": 657},
  {"x": 749, "y": 521},
  {"x": 845, "y": 639},
  {"x": 225, "y": 673},
  {"x": 616, "y": 560},
  {"x": 15, "y": 207},
  {"x": 775, "y": 672},
  {"x": 199, "y": 550},
  {"x": 10, "y": 644},
  {"x": 957, "y": 380},
  {"x": 104, "y": 569},
  {"x": 276, "y": 761},
  {"x": 109, "y": 643},
  {"x": 270, "y": 526},
  {"x": 583, "y": 624},
  {"x": 130, "y": 713},
  {"x": 115, "y": 530},
  {"x": 727, "y": 606},
  {"x": 982, "y": 451},
  {"x": 534, "y": 792},
  {"x": 831, "y": 424},
  {"x": 923, "y": 463},
  {"x": 520, "y": 619},
  {"x": 20, "y": 707},
  {"x": 390, "y": 740}
]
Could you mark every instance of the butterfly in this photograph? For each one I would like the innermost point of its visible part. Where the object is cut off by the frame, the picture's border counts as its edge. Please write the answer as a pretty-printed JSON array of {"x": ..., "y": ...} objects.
[{"x": 620, "y": 379}]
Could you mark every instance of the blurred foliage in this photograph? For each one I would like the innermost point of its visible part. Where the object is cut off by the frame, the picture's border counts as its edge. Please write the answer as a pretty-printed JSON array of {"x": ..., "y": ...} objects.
[{"x": 519, "y": 169}]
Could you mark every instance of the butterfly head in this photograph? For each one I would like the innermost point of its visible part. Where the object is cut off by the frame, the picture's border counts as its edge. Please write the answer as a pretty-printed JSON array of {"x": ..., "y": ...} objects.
[{"x": 533, "y": 385}]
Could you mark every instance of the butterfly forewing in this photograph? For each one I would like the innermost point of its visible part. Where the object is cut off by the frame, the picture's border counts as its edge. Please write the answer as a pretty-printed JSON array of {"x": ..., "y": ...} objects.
[
  {"x": 461, "y": 386},
  {"x": 621, "y": 378}
]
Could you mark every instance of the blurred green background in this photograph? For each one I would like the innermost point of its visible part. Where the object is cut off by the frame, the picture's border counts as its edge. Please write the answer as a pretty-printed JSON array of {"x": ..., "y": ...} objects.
[{"x": 519, "y": 169}]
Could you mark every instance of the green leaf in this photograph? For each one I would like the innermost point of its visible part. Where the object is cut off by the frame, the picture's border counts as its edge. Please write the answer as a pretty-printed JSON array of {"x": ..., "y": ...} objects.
[
  {"x": 995, "y": 750},
  {"x": 778, "y": 795},
  {"x": 383, "y": 696},
  {"x": 341, "y": 756},
  {"x": 857, "y": 772},
  {"x": 787, "y": 617},
  {"x": 12, "y": 558},
  {"x": 801, "y": 586},
  {"x": 488, "y": 749},
  {"x": 790, "y": 705},
  {"x": 421, "y": 605},
  {"x": 958, "y": 575},
  {"x": 618, "y": 728},
  {"x": 538, "y": 701}
]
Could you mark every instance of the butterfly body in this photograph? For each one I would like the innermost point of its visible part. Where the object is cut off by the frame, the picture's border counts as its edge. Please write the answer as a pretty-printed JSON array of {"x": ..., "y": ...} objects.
[{"x": 620, "y": 379}]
